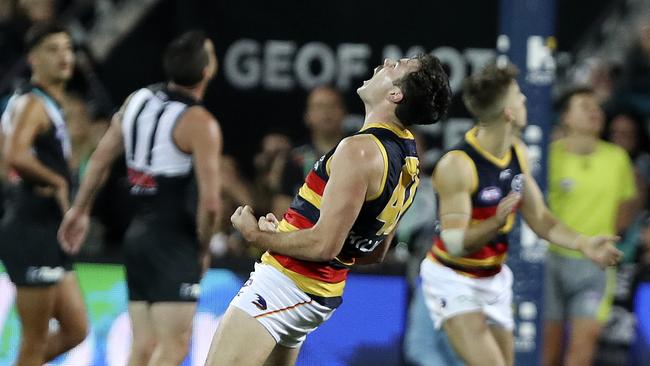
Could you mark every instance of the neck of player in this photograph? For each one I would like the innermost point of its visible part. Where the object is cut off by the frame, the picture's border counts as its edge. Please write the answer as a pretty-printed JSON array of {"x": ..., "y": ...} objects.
[
  {"x": 55, "y": 88},
  {"x": 196, "y": 92},
  {"x": 381, "y": 114},
  {"x": 496, "y": 138}
]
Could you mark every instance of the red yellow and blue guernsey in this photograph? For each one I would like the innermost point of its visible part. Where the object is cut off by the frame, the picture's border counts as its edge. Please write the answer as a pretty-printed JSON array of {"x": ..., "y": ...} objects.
[
  {"x": 324, "y": 281},
  {"x": 495, "y": 178}
]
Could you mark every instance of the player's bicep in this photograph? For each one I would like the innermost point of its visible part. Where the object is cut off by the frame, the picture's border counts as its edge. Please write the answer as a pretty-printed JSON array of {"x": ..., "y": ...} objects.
[
  {"x": 454, "y": 180},
  {"x": 344, "y": 194},
  {"x": 111, "y": 144},
  {"x": 29, "y": 120},
  {"x": 206, "y": 144}
]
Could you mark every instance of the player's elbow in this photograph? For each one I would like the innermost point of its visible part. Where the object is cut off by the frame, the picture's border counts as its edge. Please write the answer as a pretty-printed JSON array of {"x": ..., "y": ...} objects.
[
  {"x": 15, "y": 159},
  {"x": 326, "y": 255},
  {"x": 210, "y": 203},
  {"x": 326, "y": 250}
]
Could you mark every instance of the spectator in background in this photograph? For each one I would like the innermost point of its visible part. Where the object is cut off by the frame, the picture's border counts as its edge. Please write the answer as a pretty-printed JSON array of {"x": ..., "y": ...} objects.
[
  {"x": 634, "y": 87},
  {"x": 600, "y": 75},
  {"x": 236, "y": 191},
  {"x": 324, "y": 118},
  {"x": 269, "y": 165},
  {"x": 627, "y": 130},
  {"x": 13, "y": 29},
  {"x": 84, "y": 132},
  {"x": 582, "y": 167}
]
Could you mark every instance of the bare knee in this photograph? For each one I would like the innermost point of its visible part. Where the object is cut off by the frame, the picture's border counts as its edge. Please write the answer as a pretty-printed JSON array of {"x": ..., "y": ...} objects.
[
  {"x": 141, "y": 349},
  {"x": 473, "y": 342},
  {"x": 174, "y": 347}
]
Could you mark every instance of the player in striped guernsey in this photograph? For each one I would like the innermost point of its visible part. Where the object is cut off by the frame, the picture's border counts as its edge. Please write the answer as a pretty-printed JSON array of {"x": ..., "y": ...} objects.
[
  {"x": 481, "y": 183},
  {"x": 172, "y": 146},
  {"x": 344, "y": 214}
]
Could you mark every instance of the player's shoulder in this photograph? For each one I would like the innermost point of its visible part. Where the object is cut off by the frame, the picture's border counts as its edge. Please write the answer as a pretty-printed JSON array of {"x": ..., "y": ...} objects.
[
  {"x": 455, "y": 169},
  {"x": 518, "y": 143},
  {"x": 521, "y": 149},
  {"x": 29, "y": 103},
  {"x": 199, "y": 114},
  {"x": 361, "y": 146},
  {"x": 455, "y": 161},
  {"x": 360, "y": 150},
  {"x": 198, "y": 122}
]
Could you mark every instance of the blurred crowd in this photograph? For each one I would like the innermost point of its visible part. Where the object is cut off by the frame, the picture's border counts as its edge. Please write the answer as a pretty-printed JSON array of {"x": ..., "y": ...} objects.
[{"x": 623, "y": 89}]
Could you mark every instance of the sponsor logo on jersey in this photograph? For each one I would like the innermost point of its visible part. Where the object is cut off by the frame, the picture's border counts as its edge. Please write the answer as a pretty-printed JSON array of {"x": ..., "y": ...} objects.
[
  {"x": 319, "y": 162},
  {"x": 505, "y": 174},
  {"x": 260, "y": 302},
  {"x": 517, "y": 184},
  {"x": 490, "y": 194},
  {"x": 141, "y": 183}
]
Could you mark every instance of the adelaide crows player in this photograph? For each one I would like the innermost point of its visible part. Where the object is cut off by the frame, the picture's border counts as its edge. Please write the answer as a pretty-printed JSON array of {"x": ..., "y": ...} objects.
[
  {"x": 480, "y": 184},
  {"x": 344, "y": 214}
]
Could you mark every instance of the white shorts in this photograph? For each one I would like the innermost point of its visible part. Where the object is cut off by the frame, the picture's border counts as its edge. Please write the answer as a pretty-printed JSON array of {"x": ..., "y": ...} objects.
[
  {"x": 448, "y": 293},
  {"x": 280, "y": 306}
]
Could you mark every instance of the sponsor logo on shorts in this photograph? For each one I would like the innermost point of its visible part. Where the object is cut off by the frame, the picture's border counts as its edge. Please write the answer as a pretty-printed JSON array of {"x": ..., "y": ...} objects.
[
  {"x": 190, "y": 291},
  {"x": 44, "y": 274},
  {"x": 260, "y": 302},
  {"x": 490, "y": 194}
]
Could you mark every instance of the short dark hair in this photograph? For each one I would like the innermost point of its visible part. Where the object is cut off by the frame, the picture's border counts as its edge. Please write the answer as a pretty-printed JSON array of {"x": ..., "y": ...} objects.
[
  {"x": 483, "y": 91},
  {"x": 426, "y": 91},
  {"x": 563, "y": 101},
  {"x": 185, "y": 58},
  {"x": 39, "y": 31}
]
